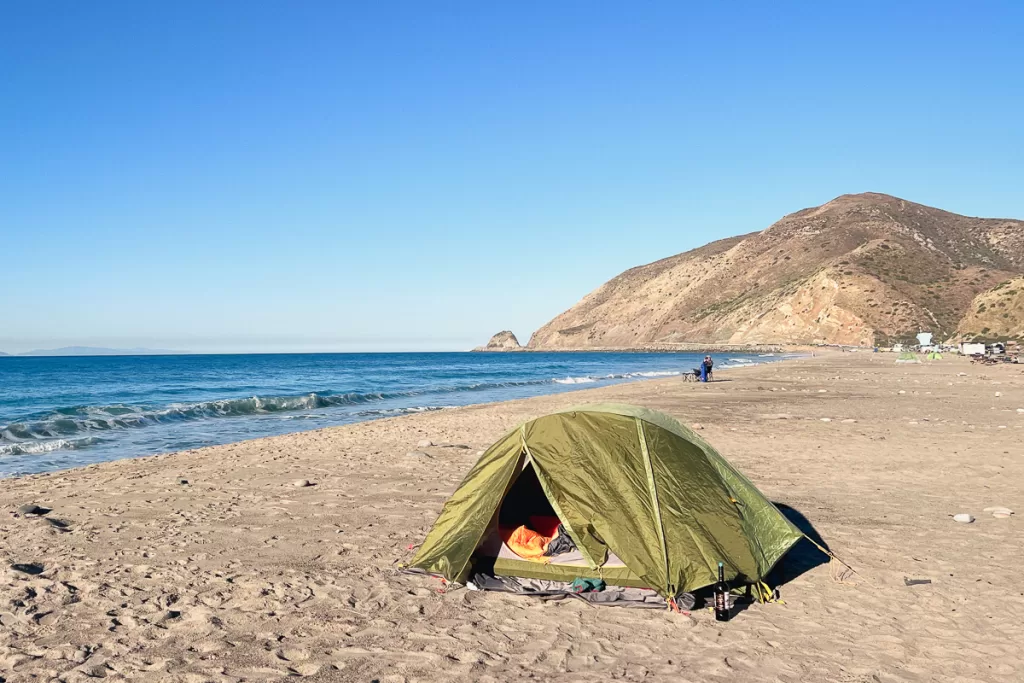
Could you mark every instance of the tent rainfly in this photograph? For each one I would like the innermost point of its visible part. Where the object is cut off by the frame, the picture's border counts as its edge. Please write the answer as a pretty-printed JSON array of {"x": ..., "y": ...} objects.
[{"x": 645, "y": 501}]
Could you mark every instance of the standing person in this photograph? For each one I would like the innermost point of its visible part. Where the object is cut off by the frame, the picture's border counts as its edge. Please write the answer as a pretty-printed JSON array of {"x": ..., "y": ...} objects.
[{"x": 706, "y": 369}]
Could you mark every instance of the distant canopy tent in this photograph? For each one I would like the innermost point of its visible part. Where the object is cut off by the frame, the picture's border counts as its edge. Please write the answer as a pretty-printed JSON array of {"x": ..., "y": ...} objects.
[{"x": 646, "y": 503}]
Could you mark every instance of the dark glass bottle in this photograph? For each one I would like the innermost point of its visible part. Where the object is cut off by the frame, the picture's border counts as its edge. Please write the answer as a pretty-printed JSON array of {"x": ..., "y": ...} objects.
[{"x": 721, "y": 596}]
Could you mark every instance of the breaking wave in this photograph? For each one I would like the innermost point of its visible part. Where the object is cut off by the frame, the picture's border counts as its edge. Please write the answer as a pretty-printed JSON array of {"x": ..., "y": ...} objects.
[
  {"x": 60, "y": 425},
  {"x": 41, "y": 447},
  {"x": 81, "y": 426}
]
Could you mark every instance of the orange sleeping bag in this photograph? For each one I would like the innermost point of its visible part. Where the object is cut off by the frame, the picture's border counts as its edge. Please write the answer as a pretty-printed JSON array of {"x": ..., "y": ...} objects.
[{"x": 528, "y": 543}]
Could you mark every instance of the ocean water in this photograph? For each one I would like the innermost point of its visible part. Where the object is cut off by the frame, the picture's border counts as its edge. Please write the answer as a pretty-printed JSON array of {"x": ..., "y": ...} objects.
[{"x": 65, "y": 412}]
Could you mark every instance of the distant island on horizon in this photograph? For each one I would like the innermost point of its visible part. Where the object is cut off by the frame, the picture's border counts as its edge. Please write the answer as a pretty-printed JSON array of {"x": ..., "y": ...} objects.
[{"x": 96, "y": 351}]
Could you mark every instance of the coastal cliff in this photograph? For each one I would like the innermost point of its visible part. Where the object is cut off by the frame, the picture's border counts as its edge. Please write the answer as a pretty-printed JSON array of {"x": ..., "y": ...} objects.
[{"x": 859, "y": 270}]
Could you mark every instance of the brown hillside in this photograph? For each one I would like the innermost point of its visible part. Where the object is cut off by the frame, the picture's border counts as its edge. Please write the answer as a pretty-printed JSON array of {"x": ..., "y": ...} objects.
[
  {"x": 861, "y": 269},
  {"x": 997, "y": 313}
]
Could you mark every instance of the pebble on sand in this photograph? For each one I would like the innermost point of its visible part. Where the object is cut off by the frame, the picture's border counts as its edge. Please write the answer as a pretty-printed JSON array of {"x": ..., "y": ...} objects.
[
  {"x": 826, "y": 419},
  {"x": 963, "y": 518},
  {"x": 901, "y": 391},
  {"x": 424, "y": 443},
  {"x": 298, "y": 483},
  {"x": 696, "y": 425},
  {"x": 848, "y": 421},
  {"x": 1000, "y": 512},
  {"x": 32, "y": 509}
]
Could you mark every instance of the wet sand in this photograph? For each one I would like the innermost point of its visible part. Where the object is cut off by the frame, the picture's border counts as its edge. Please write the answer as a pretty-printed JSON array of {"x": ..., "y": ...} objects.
[{"x": 241, "y": 575}]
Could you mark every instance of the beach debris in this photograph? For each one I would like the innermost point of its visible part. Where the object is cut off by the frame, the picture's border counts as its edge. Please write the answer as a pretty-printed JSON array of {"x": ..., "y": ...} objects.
[
  {"x": 963, "y": 518},
  {"x": 999, "y": 512},
  {"x": 901, "y": 391},
  {"x": 822, "y": 391},
  {"x": 1020, "y": 410},
  {"x": 183, "y": 481},
  {"x": 696, "y": 425},
  {"x": 961, "y": 374},
  {"x": 30, "y": 568},
  {"x": 916, "y": 582},
  {"x": 424, "y": 443},
  {"x": 826, "y": 419},
  {"x": 848, "y": 421},
  {"x": 998, "y": 394},
  {"x": 299, "y": 483},
  {"x": 33, "y": 509},
  {"x": 417, "y": 454}
]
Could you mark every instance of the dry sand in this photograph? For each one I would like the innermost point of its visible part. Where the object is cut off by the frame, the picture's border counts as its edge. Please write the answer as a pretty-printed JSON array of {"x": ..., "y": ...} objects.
[{"x": 239, "y": 575}]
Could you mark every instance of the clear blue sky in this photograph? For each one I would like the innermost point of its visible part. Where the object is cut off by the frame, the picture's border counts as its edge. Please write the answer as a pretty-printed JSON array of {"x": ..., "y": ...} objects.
[{"x": 384, "y": 175}]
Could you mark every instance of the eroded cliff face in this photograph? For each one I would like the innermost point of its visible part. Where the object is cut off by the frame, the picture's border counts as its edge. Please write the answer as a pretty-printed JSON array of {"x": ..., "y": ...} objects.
[
  {"x": 861, "y": 269},
  {"x": 814, "y": 311},
  {"x": 996, "y": 314}
]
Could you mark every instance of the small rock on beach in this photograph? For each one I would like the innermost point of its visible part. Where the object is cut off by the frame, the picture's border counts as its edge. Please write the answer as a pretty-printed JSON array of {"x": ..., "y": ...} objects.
[{"x": 1000, "y": 512}]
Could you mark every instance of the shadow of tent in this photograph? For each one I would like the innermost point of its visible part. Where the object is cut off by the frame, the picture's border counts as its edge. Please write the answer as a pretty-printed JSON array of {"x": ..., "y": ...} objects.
[{"x": 803, "y": 556}]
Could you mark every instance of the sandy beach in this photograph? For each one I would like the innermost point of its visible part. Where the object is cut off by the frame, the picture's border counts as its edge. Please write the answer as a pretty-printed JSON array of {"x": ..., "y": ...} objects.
[{"x": 239, "y": 575}]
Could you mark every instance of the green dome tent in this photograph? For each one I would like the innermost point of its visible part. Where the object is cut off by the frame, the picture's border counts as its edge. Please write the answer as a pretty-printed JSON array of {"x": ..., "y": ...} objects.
[{"x": 646, "y": 502}]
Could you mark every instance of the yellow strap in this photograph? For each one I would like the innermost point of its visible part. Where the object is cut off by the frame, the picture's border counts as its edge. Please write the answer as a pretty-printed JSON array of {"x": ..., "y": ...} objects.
[{"x": 766, "y": 595}]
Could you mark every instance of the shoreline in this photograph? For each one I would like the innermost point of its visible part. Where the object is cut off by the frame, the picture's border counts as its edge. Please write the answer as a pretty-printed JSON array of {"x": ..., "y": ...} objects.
[
  {"x": 240, "y": 575},
  {"x": 583, "y": 388},
  {"x": 683, "y": 347},
  {"x": 228, "y": 419}
]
